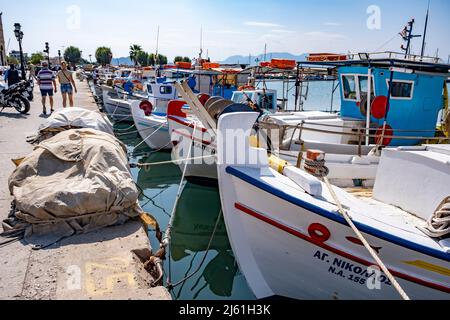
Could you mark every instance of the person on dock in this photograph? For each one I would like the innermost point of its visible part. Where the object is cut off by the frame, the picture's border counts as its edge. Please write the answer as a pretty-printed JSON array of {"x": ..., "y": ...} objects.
[
  {"x": 12, "y": 75},
  {"x": 32, "y": 72},
  {"x": 46, "y": 82},
  {"x": 65, "y": 78}
]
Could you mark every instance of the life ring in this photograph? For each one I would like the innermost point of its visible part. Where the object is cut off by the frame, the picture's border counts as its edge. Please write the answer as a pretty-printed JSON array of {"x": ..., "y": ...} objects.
[
  {"x": 147, "y": 107},
  {"x": 388, "y": 133},
  {"x": 319, "y": 232}
]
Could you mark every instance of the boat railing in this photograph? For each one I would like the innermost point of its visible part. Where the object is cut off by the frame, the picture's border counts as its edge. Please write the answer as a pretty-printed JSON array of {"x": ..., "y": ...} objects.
[
  {"x": 393, "y": 55},
  {"x": 357, "y": 132}
]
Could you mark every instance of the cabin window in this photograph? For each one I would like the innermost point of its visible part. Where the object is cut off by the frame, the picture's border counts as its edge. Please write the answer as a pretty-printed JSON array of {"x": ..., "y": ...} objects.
[
  {"x": 165, "y": 90},
  {"x": 149, "y": 89},
  {"x": 349, "y": 87},
  {"x": 363, "y": 86},
  {"x": 402, "y": 89}
]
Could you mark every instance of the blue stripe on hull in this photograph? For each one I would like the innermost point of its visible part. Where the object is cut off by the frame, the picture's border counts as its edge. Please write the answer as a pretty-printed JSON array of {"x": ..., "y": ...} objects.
[{"x": 335, "y": 216}]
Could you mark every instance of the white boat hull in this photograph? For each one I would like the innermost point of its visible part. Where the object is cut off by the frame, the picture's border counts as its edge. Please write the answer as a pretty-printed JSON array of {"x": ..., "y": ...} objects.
[
  {"x": 198, "y": 169},
  {"x": 117, "y": 109},
  {"x": 291, "y": 244},
  {"x": 154, "y": 129}
]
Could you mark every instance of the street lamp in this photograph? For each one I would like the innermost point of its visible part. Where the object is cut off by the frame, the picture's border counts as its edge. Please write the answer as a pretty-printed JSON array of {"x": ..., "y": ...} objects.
[
  {"x": 47, "y": 51},
  {"x": 19, "y": 36}
]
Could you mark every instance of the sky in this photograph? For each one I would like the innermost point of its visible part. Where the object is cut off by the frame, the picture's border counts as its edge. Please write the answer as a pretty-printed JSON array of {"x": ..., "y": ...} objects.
[{"x": 231, "y": 27}]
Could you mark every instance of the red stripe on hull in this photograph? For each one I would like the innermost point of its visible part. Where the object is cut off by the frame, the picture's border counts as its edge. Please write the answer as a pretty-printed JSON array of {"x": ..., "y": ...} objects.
[{"x": 302, "y": 236}]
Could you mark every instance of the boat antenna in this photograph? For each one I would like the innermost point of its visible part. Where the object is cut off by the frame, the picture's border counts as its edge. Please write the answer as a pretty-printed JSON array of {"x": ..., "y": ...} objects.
[
  {"x": 201, "y": 44},
  {"x": 425, "y": 30},
  {"x": 408, "y": 36},
  {"x": 265, "y": 51}
]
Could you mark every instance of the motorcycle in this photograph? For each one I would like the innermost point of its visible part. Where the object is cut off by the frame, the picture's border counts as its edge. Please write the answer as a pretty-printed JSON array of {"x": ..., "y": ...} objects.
[{"x": 16, "y": 96}]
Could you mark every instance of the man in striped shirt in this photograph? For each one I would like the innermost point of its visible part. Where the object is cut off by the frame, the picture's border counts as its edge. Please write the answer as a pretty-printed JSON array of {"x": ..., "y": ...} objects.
[{"x": 46, "y": 82}]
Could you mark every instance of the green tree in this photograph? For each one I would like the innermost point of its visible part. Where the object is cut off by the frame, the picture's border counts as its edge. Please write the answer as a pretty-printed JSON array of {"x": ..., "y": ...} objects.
[
  {"x": 103, "y": 55},
  {"x": 12, "y": 60},
  {"x": 161, "y": 59},
  {"x": 37, "y": 57},
  {"x": 142, "y": 58},
  {"x": 135, "y": 50},
  {"x": 187, "y": 59},
  {"x": 72, "y": 55},
  {"x": 178, "y": 59}
]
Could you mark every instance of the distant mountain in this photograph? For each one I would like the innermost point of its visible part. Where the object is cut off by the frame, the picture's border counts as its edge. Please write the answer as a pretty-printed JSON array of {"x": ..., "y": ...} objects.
[
  {"x": 122, "y": 61},
  {"x": 257, "y": 59}
]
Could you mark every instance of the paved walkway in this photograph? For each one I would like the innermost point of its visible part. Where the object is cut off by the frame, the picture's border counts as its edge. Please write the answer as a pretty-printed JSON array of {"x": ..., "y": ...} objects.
[{"x": 98, "y": 265}]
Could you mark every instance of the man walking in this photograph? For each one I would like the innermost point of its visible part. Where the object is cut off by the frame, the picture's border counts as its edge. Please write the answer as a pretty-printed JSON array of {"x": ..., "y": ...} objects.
[
  {"x": 12, "y": 75},
  {"x": 46, "y": 82}
]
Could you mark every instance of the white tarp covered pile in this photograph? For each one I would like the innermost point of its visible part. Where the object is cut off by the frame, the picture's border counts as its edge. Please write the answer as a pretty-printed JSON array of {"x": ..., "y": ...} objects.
[
  {"x": 72, "y": 118},
  {"x": 75, "y": 182}
]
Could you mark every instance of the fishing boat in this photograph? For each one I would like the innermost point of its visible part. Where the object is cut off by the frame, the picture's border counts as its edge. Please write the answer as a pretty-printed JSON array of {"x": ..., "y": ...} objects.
[
  {"x": 150, "y": 115},
  {"x": 408, "y": 109},
  {"x": 290, "y": 237},
  {"x": 119, "y": 109}
]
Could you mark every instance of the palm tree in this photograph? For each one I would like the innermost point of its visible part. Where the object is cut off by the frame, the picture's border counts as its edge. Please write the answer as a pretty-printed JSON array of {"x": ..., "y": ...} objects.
[{"x": 134, "y": 52}]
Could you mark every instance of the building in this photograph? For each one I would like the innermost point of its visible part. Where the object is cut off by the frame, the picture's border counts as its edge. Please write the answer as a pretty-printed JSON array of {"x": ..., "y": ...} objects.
[
  {"x": 3, "y": 60},
  {"x": 16, "y": 54}
]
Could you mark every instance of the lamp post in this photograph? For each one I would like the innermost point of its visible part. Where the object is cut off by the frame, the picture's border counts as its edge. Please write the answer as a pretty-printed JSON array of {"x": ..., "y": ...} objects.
[
  {"x": 19, "y": 36},
  {"x": 90, "y": 58},
  {"x": 59, "y": 56},
  {"x": 47, "y": 51}
]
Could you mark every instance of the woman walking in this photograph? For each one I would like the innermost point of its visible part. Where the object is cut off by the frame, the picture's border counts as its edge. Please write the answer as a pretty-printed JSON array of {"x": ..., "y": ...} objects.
[{"x": 67, "y": 84}]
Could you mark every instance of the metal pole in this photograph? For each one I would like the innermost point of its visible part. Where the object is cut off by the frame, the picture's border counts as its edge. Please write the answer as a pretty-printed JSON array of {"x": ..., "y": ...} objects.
[
  {"x": 369, "y": 94},
  {"x": 22, "y": 63}
]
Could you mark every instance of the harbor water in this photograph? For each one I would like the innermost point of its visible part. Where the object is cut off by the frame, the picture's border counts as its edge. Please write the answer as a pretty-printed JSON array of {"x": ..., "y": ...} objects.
[
  {"x": 197, "y": 212},
  {"x": 196, "y": 215}
]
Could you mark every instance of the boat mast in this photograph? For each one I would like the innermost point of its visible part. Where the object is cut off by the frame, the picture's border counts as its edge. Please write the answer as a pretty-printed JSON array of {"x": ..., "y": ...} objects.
[
  {"x": 407, "y": 36},
  {"x": 157, "y": 46},
  {"x": 425, "y": 30}
]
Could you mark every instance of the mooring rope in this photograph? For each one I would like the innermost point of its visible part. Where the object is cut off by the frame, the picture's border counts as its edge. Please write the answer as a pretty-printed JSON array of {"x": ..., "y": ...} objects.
[
  {"x": 366, "y": 244},
  {"x": 167, "y": 236},
  {"x": 208, "y": 248},
  {"x": 149, "y": 136},
  {"x": 146, "y": 165},
  {"x": 439, "y": 224},
  {"x": 318, "y": 172}
]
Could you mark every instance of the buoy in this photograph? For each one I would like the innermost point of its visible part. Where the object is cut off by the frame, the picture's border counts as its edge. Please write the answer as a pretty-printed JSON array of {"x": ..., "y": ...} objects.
[
  {"x": 388, "y": 133},
  {"x": 379, "y": 107},
  {"x": 147, "y": 107}
]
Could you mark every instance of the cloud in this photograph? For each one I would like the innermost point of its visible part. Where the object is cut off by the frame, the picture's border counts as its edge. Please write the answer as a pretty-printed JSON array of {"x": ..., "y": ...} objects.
[
  {"x": 333, "y": 24},
  {"x": 262, "y": 24},
  {"x": 237, "y": 32},
  {"x": 326, "y": 35},
  {"x": 282, "y": 31}
]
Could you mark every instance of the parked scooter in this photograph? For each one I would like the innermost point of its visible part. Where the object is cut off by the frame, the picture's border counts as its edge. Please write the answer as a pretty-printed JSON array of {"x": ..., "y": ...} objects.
[{"x": 16, "y": 96}]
